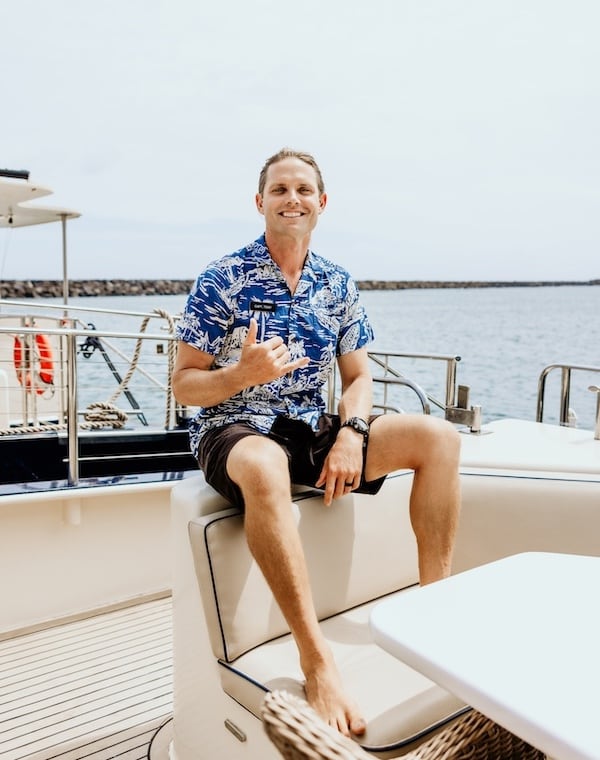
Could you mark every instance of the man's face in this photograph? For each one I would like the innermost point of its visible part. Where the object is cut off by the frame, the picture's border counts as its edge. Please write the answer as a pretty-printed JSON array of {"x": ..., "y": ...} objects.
[{"x": 290, "y": 202}]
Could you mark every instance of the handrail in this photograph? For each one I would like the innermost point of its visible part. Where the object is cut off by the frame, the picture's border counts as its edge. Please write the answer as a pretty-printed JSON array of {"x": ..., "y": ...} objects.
[
  {"x": 565, "y": 389},
  {"x": 404, "y": 381},
  {"x": 455, "y": 405},
  {"x": 71, "y": 334},
  {"x": 451, "y": 367},
  {"x": 72, "y": 307},
  {"x": 79, "y": 331}
]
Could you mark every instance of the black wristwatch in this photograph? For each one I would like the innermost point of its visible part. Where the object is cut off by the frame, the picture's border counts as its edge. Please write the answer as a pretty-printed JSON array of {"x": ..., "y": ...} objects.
[{"x": 357, "y": 423}]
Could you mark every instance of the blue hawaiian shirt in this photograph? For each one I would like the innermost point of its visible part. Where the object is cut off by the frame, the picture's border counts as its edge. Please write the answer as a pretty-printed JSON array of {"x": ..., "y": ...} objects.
[{"x": 323, "y": 319}]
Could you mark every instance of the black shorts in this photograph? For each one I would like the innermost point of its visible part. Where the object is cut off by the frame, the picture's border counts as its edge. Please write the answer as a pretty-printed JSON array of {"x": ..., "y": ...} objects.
[{"x": 306, "y": 451}]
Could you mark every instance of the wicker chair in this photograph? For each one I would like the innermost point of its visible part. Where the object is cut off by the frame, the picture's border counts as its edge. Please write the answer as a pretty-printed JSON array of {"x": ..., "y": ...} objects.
[{"x": 300, "y": 734}]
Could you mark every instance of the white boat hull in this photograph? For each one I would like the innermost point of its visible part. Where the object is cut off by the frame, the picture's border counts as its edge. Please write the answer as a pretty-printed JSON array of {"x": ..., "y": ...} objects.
[
  {"x": 77, "y": 552},
  {"x": 71, "y": 553}
]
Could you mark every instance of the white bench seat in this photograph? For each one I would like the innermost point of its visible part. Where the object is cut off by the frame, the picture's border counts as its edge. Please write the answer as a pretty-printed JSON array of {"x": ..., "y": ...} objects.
[
  {"x": 399, "y": 704},
  {"x": 358, "y": 550}
]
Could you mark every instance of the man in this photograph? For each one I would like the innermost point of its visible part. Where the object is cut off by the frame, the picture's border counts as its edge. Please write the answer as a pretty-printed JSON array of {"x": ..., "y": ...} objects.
[{"x": 257, "y": 338}]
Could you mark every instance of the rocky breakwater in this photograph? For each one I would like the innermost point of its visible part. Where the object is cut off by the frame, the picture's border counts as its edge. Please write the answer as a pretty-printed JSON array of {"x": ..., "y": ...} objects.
[
  {"x": 18, "y": 289},
  {"x": 436, "y": 284},
  {"x": 54, "y": 288}
]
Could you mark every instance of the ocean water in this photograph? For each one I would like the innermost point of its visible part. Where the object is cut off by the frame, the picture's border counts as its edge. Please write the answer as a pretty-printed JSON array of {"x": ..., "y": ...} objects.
[{"x": 504, "y": 336}]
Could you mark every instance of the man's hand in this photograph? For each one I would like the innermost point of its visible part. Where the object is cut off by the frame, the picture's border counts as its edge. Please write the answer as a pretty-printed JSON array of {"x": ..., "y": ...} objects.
[
  {"x": 342, "y": 469},
  {"x": 262, "y": 362}
]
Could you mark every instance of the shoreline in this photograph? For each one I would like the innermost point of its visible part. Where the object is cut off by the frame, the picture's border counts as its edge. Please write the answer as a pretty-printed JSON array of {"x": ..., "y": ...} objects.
[{"x": 89, "y": 288}]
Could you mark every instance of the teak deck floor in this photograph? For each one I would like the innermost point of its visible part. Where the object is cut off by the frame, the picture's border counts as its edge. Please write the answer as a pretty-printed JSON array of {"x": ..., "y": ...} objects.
[{"x": 97, "y": 688}]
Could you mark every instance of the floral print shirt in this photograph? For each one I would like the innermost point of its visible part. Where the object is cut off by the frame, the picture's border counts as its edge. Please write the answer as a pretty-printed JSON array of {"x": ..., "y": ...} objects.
[{"x": 323, "y": 319}]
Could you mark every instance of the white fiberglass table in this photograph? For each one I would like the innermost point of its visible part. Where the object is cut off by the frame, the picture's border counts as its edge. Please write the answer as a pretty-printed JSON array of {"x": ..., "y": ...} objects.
[{"x": 518, "y": 639}]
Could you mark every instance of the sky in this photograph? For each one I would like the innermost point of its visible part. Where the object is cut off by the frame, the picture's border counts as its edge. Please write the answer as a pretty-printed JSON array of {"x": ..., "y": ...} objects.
[{"x": 458, "y": 139}]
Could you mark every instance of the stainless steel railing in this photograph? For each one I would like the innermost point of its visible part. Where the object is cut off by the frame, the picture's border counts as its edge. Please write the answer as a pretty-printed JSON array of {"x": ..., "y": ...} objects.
[
  {"x": 595, "y": 389},
  {"x": 69, "y": 332},
  {"x": 99, "y": 347},
  {"x": 566, "y": 372},
  {"x": 455, "y": 404}
]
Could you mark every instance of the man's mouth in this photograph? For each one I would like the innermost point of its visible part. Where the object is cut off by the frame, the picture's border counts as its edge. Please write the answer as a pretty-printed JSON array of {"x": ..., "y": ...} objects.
[{"x": 291, "y": 214}]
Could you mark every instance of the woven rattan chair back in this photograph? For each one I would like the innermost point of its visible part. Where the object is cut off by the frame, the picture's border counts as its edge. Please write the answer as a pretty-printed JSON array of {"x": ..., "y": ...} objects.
[{"x": 300, "y": 734}]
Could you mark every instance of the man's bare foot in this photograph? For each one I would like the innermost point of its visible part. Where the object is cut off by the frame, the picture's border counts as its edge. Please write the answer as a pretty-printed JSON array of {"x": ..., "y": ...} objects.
[{"x": 325, "y": 694}]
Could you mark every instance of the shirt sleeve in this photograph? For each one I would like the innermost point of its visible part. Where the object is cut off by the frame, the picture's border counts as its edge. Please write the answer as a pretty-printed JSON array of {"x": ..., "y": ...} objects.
[
  {"x": 207, "y": 314},
  {"x": 355, "y": 330}
]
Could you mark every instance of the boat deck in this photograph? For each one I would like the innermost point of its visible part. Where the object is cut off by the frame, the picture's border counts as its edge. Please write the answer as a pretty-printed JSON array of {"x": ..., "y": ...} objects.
[{"x": 97, "y": 688}]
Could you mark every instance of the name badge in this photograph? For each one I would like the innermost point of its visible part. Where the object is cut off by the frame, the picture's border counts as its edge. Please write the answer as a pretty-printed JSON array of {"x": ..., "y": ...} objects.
[{"x": 262, "y": 306}]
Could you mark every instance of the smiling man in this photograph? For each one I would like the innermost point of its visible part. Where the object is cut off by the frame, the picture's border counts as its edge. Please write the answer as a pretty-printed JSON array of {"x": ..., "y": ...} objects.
[{"x": 257, "y": 340}]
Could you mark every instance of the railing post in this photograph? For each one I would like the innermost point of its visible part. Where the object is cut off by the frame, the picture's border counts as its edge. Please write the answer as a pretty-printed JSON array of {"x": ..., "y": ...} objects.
[
  {"x": 72, "y": 422},
  {"x": 450, "y": 382},
  {"x": 63, "y": 219},
  {"x": 595, "y": 389},
  {"x": 565, "y": 392},
  {"x": 541, "y": 394}
]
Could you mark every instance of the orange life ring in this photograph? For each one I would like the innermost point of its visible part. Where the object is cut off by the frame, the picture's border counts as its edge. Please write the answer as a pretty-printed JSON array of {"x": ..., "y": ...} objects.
[{"x": 45, "y": 377}]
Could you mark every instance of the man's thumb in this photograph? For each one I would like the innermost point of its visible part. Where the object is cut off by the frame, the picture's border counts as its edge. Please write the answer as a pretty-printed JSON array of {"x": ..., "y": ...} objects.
[{"x": 252, "y": 332}]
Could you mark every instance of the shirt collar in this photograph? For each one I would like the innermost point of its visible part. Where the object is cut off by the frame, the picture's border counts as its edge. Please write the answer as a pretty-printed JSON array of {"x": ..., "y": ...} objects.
[{"x": 258, "y": 249}]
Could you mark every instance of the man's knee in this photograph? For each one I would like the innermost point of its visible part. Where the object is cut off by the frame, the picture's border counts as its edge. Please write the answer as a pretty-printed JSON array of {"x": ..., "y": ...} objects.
[
  {"x": 441, "y": 440},
  {"x": 447, "y": 432},
  {"x": 419, "y": 440},
  {"x": 255, "y": 459}
]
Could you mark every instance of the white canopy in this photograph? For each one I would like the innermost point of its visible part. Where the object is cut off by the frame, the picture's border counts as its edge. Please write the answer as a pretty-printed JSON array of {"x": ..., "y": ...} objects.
[{"x": 16, "y": 211}]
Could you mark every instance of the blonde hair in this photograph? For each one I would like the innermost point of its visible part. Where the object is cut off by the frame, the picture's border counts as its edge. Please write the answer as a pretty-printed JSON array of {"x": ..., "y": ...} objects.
[{"x": 289, "y": 153}]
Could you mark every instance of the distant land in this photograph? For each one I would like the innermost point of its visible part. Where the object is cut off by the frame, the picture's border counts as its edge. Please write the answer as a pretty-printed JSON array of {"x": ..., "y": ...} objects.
[{"x": 53, "y": 288}]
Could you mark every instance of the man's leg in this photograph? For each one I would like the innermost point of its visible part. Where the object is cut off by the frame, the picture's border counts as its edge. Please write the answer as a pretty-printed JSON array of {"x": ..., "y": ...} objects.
[
  {"x": 259, "y": 467},
  {"x": 431, "y": 447}
]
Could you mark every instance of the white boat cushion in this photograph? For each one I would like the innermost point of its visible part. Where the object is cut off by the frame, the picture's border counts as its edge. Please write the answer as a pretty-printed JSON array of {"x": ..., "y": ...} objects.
[
  {"x": 358, "y": 550},
  {"x": 400, "y": 705}
]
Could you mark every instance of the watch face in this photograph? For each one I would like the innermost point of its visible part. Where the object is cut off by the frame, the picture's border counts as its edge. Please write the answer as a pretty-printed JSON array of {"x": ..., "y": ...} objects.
[{"x": 356, "y": 423}]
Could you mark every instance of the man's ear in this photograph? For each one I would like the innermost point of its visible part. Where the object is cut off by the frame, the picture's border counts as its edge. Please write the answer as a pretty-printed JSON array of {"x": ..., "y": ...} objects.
[
  {"x": 259, "y": 203},
  {"x": 322, "y": 202}
]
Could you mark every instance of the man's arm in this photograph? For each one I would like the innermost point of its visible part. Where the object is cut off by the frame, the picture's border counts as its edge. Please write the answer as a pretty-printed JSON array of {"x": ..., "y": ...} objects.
[
  {"x": 196, "y": 384},
  {"x": 343, "y": 465},
  {"x": 357, "y": 385}
]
